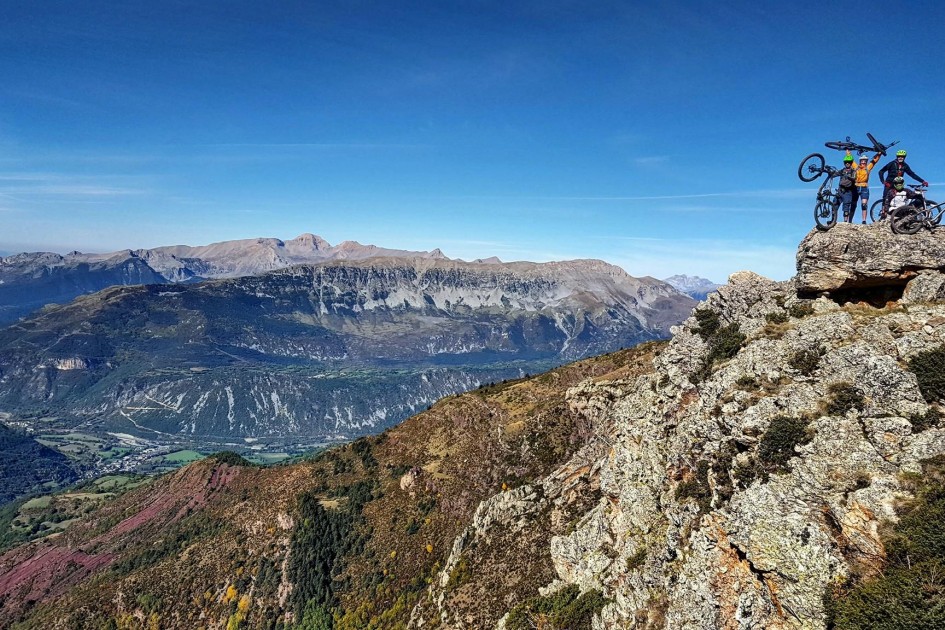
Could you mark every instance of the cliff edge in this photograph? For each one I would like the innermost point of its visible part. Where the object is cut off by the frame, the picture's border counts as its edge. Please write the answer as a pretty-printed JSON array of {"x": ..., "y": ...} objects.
[{"x": 754, "y": 474}]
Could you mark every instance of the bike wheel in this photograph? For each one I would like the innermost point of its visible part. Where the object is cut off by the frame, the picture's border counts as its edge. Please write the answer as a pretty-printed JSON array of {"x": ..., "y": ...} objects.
[
  {"x": 811, "y": 167},
  {"x": 876, "y": 211},
  {"x": 825, "y": 215},
  {"x": 905, "y": 220}
]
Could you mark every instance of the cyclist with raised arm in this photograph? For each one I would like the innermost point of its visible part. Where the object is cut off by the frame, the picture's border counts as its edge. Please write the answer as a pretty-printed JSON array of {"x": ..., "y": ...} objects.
[
  {"x": 862, "y": 172},
  {"x": 847, "y": 188},
  {"x": 896, "y": 168}
]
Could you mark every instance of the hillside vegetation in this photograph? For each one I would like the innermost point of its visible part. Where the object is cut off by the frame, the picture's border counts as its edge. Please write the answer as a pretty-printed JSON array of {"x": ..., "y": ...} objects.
[{"x": 355, "y": 535}]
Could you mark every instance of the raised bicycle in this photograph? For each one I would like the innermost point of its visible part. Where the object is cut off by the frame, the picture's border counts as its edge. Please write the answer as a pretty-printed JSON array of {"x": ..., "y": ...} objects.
[
  {"x": 812, "y": 166},
  {"x": 909, "y": 219}
]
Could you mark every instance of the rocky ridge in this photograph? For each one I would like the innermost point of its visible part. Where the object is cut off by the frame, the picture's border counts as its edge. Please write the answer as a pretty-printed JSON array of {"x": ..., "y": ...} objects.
[
  {"x": 753, "y": 471},
  {"x": 31, "y": 280}
]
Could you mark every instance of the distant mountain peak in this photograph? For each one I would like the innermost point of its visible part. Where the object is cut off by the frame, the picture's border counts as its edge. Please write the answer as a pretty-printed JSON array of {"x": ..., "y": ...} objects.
[
  {"x": 693, "y": 286},
  {"x": 311, "y": 241}
]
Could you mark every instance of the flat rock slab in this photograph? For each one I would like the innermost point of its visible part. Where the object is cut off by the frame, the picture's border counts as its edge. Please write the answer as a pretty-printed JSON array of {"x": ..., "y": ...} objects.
[{"x": 854, "y": 256}]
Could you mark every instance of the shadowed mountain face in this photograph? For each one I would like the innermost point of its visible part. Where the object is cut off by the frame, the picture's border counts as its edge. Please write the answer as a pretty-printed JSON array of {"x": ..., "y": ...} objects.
[
  {"x": 31, "y": 280},
  {"x": 318, "y": 350},
  {"x": 26, "y": 465}
]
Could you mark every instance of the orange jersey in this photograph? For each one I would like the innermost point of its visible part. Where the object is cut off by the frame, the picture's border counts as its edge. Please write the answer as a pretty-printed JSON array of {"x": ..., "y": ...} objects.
[{"x": 863, "y": 174}]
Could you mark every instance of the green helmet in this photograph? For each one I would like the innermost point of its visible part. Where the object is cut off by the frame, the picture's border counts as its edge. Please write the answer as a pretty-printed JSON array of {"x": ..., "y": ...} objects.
[
  {"x": 901, "y": 153},
  {"x": 899, "y": 183},
  {"x": 848, "y": 158}
]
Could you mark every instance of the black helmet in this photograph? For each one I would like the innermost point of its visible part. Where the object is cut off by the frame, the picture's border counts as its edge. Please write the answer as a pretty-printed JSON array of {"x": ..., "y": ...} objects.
[{"x": 899, "y": 183}]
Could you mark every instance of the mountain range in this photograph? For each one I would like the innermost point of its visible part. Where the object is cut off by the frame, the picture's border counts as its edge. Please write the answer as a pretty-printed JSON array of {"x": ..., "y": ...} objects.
[
  {"x": 332, "y": 349},
  {"x": 31, "y": 280}
]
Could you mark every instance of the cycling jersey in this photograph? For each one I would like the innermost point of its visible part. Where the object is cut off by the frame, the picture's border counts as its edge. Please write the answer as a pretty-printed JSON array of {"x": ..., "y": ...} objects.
[
  {"x": 863, "y": 174},
  {"x": 901, "y": 198},
  {"x": 894, "y": 169}
]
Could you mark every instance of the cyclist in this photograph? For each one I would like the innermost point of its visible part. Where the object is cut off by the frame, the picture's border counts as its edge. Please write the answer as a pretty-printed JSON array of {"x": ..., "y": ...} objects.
[
  {"x": 896, "y": 168},
  {"x": 847, "y": 187},
  {"x": 862, "y": 172},
  {"x": 900, "y": 195}
]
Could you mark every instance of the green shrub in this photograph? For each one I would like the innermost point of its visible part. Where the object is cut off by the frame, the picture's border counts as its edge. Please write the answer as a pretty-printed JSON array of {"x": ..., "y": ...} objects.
[
  {"x": 697, "y": 487},
  {"x": 460, "y": 574},
  {"x": 805, "y": 361},
  {"x": 636, "y": 560},
  {"x": 776, "y": 446},
  {"x": 708, "y": 323},
  {"x": 726, "y": 343},
  {"x": 925, "y": 421},
  {"x": 747, "y": 382},
  {"x": 800, "y": 310},
  {"x": 843, "y": 397},
  {"x": 929, "y": 370},
  {"x": 776, "y": 317},
  {"x": 230, "y": 458},
  {"x": 566, "y": 609},
  {"x": 910, "y": 591},
  {"x": 723, "y": 344}
]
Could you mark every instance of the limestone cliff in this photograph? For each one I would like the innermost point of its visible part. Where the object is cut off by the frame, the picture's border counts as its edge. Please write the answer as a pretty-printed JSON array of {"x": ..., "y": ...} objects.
[{"x": 755, "y": 467}]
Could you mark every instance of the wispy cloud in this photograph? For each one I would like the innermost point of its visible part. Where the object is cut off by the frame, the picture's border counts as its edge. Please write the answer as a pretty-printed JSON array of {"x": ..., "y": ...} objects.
[
  {"x": 650, "y": 160},
  {"x": 21, "y": 186}
]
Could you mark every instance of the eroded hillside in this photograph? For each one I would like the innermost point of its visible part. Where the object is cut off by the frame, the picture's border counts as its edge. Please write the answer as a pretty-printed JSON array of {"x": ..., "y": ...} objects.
[{"x": 362, "y": 530}]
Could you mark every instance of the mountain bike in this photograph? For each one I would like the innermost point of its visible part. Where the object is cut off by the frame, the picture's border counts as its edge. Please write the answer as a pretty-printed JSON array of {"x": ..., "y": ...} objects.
[
  {"x": 853, "y": 147},
  {"x": 909, "y": 219},
  {"x": 876, "y": 210},
  {"x": 827, "y": 204},
  {"x": 812, "y": 166}
]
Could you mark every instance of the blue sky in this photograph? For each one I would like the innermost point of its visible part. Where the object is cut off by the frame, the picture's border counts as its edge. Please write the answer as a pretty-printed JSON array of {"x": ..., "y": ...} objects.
[{"x": 661, "y": 136}]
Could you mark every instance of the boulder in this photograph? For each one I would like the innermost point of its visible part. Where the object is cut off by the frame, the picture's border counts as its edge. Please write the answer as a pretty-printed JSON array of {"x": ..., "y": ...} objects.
[{"x": 852, "y": 256}]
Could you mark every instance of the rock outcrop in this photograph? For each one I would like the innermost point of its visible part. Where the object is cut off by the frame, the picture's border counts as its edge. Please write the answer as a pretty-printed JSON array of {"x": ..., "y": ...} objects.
[
  {"x": 753, "y": 470},
  {"x": 865, "y": 256}
]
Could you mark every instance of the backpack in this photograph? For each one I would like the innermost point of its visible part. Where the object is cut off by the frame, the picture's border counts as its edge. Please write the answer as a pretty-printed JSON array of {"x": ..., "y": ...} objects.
[{"x": 846, "y": 179}]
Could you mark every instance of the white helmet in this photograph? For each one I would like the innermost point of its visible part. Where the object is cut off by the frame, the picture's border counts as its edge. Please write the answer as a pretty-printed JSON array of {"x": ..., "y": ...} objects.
[{"x": 863, "y": 158}]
